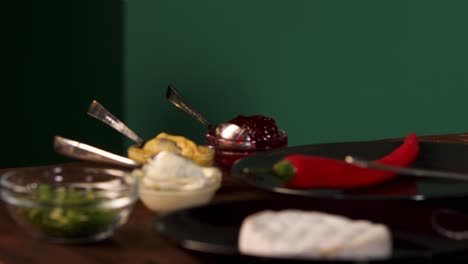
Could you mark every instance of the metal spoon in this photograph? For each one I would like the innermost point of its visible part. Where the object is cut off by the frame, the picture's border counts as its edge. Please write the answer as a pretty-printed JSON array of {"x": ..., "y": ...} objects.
[
  {"x": 81, "y": 151},
  {"x": 78, "y": 150},
  {"x": 99, "y": 112},
  {"x": 224, "y": 130}
]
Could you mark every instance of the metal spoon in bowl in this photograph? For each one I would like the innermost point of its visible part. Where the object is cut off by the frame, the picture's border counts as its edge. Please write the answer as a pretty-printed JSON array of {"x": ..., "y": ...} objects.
[
  {"x": 81, "y": 151},
  {"x": 99, "y": 112},
  {"x": 224, "y": 130}
]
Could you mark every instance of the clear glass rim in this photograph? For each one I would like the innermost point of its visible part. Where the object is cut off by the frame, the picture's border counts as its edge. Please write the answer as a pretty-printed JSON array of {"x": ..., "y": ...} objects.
[
  {"x": 214, "y": 142},
  {"x": 212, "y": 187},
  {"x": 126, "y": 192}
]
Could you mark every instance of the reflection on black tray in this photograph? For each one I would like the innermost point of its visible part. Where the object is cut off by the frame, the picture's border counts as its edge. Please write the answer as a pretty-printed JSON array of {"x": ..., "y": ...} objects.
[
  {"x": 437, "y": 156},
  {"x": 214, "y": 229}
]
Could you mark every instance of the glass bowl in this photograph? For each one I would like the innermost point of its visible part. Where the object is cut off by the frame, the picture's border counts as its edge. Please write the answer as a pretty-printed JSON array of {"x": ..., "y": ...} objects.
[
  {"x": 69, "y": 204},
  {"x": 166, "y": 201},
  {"x": 227, "y": 152},
  {"x": 205, "y": 159}
]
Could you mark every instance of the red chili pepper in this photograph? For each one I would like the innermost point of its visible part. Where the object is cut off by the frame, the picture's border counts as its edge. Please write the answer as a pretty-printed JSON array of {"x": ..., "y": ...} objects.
[{"x": 306, "y": 171}]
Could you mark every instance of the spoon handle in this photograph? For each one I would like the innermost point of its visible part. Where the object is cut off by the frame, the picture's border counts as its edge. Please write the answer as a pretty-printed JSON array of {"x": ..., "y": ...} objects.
[
  {"x": 78, "y": 150},
  {"x": 98, "y": 111},
  {"x": 176, "y": 99}
]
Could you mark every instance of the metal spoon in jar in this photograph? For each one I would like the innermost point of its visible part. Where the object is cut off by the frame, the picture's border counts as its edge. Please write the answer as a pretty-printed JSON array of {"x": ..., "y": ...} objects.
[
  {"x": 224, "y": 130},
  {"x": 99, "y": 112}
]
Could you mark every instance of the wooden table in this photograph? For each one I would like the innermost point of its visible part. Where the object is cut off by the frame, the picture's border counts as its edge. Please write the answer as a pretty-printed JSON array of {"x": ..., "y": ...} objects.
[{"x": 135, "y": 242}]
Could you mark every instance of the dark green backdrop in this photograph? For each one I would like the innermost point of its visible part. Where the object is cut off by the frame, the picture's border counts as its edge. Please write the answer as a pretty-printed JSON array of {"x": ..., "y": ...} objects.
[
  {"x": 325, "y": 70},
  {"x": 59, "y": 55}
]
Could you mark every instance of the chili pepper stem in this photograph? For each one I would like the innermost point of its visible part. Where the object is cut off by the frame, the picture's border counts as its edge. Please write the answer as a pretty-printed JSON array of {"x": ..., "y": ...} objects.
[{"x": 283, "y": 170}]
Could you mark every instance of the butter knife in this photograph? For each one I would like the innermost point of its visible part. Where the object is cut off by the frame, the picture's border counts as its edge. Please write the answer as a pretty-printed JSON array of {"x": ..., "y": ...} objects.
[{"x": 417, "y": 172}]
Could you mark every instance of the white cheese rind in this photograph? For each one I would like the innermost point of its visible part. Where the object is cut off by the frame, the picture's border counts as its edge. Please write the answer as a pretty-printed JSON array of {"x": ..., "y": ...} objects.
[{"x": 311, "y": 234}]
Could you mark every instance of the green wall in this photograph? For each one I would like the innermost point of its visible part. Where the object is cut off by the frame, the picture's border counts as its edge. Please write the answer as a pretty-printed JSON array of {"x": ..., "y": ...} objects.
[
  {"x": 59, "y": 55},
  {"x": 325, "y": 70}
]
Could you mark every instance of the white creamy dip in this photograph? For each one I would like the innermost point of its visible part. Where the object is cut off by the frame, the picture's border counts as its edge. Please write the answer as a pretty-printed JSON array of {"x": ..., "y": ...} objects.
[{"x": 170, "y": 171}]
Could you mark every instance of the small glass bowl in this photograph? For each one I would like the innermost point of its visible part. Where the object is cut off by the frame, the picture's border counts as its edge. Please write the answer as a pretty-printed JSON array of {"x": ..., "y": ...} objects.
[
  {"x": 227, "y": 152},
  {"x": 166, "y": 201},
  {"x": 205, "y": 159},
  {"x": 69, "y": 204}
]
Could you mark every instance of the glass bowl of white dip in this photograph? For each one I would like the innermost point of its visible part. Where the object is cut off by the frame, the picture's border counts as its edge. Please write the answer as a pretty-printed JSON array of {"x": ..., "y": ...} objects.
[{"x": 171, "y": 182}]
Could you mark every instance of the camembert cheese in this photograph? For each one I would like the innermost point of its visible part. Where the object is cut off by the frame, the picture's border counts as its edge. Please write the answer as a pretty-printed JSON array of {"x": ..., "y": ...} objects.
[{"x": 312, "y": 234}]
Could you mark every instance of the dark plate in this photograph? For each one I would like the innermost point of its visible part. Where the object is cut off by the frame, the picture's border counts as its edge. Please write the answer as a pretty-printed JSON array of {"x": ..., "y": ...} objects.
[
  {"x": 214, "y": 228},
  {"x": 438, "y": 156}
]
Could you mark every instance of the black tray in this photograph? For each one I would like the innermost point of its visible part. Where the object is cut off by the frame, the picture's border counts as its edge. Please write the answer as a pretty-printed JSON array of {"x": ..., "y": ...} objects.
[
  {"x": 438, "y": 156},
  {"x": 214, "y": 229}
]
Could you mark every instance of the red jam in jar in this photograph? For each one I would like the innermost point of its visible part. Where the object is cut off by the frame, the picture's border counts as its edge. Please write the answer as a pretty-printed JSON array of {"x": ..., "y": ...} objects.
[{"x": 263, "y": 135}]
